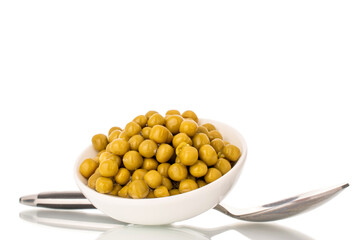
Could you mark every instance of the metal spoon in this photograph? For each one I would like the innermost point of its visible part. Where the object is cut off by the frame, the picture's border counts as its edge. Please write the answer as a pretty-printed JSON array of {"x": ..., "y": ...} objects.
[{"x": 269, "y": 212}]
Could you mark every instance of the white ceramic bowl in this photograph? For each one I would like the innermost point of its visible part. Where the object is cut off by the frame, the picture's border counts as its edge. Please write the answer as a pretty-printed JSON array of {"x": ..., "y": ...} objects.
[{"x": 171, "y": 209}]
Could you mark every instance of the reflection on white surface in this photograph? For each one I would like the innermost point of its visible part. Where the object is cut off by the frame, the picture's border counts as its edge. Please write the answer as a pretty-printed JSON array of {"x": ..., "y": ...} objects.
[
  {"x": 118, "y": 230},
  {"x": 71, "y": 219}
]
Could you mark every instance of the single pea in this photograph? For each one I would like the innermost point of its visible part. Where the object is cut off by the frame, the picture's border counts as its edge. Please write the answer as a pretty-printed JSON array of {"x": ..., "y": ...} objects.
[
  {"x": 190, "y": 114},
  {"x": 221, "y": 155},
  {"x": 108, "y": 168},
  {"x": 119, "y": 146},
  {"x": 212, "y": 175},
  {"x": 189, "y": 127},
  {"x": 96, "y": 159},
  {"x": 174, "y": 192},
  {"x": 161, "y": 191},
  {"x": 147, "y": 148},
  {"x": 132, "y": 160},
  {"x": 99, "y": 153},
  {"x": 115, "y": 190},
  {"x": 159, "y": 134},
  {"x": 151, "y": 194},
  {"x": 88, "y": 167},
  {"x": 163, "y": 169},
  {"x": 231, "y": 152},
  {"x": 156, "y": 119},
  {"x": 132, "y": 128},
  {"x": 138, "y": 189},
  {"x": 200, "y": 183},
  {"x": 217, "y": 144},
  {"x": 214, "y": 134},
  {"x": 208, "y": 154},
  {"x": 188, "y": 155},
  {"x": 172, "y": 112},
  {"x": 200, "y": 139},
  {"x": 180, "y": 147},
  {"x": 113, "y": 129},
  {"x": 110, "y": 156},
  {"x": 199, "y": 169},
  {"x": 104, "y": 185},
  {"x": 99, "y": 141},
  {"x": 139, "y": 174},
  {"x": 105, "y": 155},
  {"x": 141, "y": 120},
  {"x": 107, "y": 149},
  {"x": 124, "y": 192},
  {"x": 209, "y": 126},
  {"x": 150, "y": 164},
  {"x": 135, "y": 141},
  {"x": 164, "y": 153},
  {"x": 202, "y": 129},
  {"x": 167, "y": 183},
  {"x": 223, "y": 165},
  {"x": 145, "y": 132},
  {"x": 177, "y": 172},
  {"x": 92, "y": 179},
  {"x": 114, "y": 135},
  {"x": 179, "y": 138},
  {"x": 170, "y": 137},
  {"x": 123, "y": 176},
  {"x": 173, "y": 123},
  {"x": 123, "y": 135},
  {"x": 150, "y": 113},
  {"x": 187, "y": 185},
  {"x": 153, "y": 178}
]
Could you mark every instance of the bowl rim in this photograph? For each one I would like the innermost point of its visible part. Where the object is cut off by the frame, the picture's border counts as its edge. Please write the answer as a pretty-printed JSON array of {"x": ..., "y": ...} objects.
[{"x": 236, "y": 169}]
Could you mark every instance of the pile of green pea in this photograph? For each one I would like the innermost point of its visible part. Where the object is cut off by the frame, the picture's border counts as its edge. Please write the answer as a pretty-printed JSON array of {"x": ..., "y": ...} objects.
[{"x": 157, "y": 156}]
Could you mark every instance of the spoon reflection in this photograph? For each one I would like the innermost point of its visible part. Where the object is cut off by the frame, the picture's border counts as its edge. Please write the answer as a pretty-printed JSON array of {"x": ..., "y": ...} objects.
[{"x": 113, "y": 229}]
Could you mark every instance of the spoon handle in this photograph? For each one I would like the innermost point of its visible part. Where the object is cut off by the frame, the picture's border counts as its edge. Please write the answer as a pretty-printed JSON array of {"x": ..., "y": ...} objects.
[
  {"x": 284, "y": 208},
  {"x": 57, "y": 200}
]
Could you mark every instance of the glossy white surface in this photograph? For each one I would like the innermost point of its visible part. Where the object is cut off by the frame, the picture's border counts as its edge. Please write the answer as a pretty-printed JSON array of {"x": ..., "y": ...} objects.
[
  {"x": 112, "y": 229},
  {"x": 170, "y": 209},
  {"x": 284, "y": 73}
]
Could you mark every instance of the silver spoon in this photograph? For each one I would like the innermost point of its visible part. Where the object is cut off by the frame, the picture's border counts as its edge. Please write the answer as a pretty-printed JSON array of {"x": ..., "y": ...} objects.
[{"x": 269, "y": 212}]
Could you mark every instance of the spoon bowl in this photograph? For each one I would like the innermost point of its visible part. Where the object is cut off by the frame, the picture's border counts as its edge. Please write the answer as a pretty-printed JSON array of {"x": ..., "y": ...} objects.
[{"x": 157, "y": 211}]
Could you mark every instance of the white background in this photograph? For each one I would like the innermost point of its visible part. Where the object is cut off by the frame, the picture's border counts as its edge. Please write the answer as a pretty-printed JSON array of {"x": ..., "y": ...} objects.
[{"x": 284, "y": 73}]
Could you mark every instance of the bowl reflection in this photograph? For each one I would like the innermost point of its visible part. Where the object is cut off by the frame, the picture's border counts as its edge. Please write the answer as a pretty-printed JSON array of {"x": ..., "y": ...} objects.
[{"x": 113, "y": 229}]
